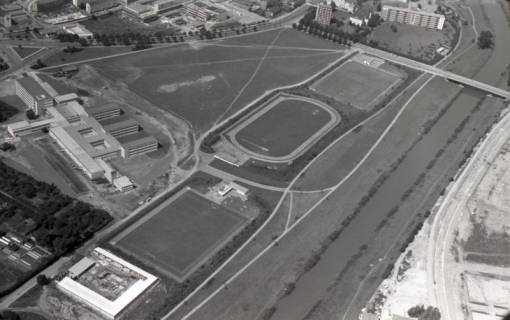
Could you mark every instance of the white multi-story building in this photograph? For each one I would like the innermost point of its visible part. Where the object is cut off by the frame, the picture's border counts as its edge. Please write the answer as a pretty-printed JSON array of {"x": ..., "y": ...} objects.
[
  {"x": 324, "y": 13},
  {"x": 414, "y": 17},
  {"x": 32, "y": 93}
]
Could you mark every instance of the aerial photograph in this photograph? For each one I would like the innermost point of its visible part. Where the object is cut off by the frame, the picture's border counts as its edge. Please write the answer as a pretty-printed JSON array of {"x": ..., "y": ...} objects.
[{"x": 255, "y": 159}]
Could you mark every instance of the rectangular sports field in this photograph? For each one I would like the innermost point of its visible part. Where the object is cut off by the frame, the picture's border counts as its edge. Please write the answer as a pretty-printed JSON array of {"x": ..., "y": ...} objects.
[
  {"x": 357, "y": 84},
  {"x": 180, "y": 234}
]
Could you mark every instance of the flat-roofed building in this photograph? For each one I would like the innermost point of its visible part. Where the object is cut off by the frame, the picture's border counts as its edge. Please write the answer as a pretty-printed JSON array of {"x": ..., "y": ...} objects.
[
  {"x": 105, "y": 111},
  {"x": 137, "y": 144},
  {"x": 324, "y": 13},
  {"x": 123, "y": 184},
  {"x": 5, "y": 18},
  {"x": 110, "y": 308},
  {"x": 120, "y": 126},
  {"x": 198, "y": 11},
  {"x": 81, "y": 267},
  {"x": 66, "y": 98},
  {"x": 33, "y": 94},
  {"x": 23, "y": 128},
  {"x": 77, "y": 153},
  {"x": 72, "y": 111},
  {"x": 346, "y": 5},
  {"x": 95, "y": 6},
  {"x": 413, "y": 16},
  {"x": 79, "y": 30}
]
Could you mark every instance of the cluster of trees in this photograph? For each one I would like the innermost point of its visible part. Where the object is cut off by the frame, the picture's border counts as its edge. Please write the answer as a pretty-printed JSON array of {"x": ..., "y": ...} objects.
[
  {"x": 61, "y": 223},
  {"x": 31, "y": 114},
  {"x": 38, "y": 65},
  {"x": 485, "y": 40},
  {"x": 422, "y": 313},
  {"x": 3, "y": 65},
  {"x": 333, "y": 32},
  {"x": 7, "y": 146},
  {"x": 9, "y": 315},
  {"x": 72, "y": 49},
  {"x": 6, "y": 111}
]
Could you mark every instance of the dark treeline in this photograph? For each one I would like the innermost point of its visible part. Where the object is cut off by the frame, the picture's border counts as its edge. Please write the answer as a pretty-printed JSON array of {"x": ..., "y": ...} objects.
[{"x": 60, "y": 223}]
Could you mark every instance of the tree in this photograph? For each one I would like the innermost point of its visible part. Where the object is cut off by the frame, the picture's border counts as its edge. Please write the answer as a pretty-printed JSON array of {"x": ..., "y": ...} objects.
[
  {"x": 31, "y": 114},
  {"x": 42, "y": 280},
  {"x": 485, "y": 40},
  {"x": 416, "y": 311}
]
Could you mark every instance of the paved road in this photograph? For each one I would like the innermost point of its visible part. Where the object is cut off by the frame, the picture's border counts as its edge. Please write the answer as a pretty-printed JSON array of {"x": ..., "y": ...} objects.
[
  {"x": 452, "y": 211},
  {"x": 435, "y": 71}
]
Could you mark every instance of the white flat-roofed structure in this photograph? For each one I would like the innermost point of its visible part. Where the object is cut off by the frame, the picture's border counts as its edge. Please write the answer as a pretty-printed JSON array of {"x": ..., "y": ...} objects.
[
  {"x": 23, "y": 128},
  {"x": 123, "y": 184},
  {"x": 35, "y": 96},
  {"x": 137, "y": 144},
  {"x": 413, "y": 16},
  {"x": 105, "y": 111},
  {"x": 120, "y": 126},
  {"x": 79, "y": 30},
  {"x": 109, "y": 308},
  {"x": 80, "y": 267},
  {"x": 239, "y": 188},
  {"x": 66, "y": 98},
  {"x": 75, "y": 151},
  {"x": 72, "y": 111}
]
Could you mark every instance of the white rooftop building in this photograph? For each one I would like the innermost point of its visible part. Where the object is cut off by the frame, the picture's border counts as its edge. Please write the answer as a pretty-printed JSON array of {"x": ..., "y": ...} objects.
[{"x": 109, "y": 308}]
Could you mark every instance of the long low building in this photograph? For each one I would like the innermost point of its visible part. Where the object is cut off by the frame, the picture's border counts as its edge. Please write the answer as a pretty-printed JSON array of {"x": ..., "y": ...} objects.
[
  {"x": 137, "y": 144},
  {"x": 120, "y": 126},
  {"x": 105, "y": 111},
  {"x": 413, "y": 16},
  {"x": 78, "y": 154}
]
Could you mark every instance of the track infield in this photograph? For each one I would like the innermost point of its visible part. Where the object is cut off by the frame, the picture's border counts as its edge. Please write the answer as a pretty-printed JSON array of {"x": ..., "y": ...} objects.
[
  {"x": 180, "y": 234},
  {"x": 357, "y": 84},
  {"x": 283, "y": 128}
]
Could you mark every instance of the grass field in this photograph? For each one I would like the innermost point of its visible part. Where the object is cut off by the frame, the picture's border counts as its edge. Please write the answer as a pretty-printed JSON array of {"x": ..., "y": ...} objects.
[
  {"x": 357, "y": 84},
  {"x": 285, "y": 126},
  {"x": 413, "y": 41},
  {"x": 205, "y": 83},
  {"x": 87, "y": 53},
  {"x": 180, "y": 234},
  {"x": 24, "y": 52}
]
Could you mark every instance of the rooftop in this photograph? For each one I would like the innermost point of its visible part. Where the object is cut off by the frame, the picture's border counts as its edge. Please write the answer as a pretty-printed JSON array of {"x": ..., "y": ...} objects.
[
  {"x": 117, "y": 123},
  {"x": 95, "y": 299},
  {"x": 33, "y": 87},
  {"x": 136, "y": 139}
]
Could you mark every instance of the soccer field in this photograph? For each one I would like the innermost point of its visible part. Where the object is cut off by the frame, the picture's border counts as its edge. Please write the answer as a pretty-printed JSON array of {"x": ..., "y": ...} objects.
[
  {"x": 357, "y": 84},
  {"x": 180, "y": 234},
  {"x": 284, "y": 126}
]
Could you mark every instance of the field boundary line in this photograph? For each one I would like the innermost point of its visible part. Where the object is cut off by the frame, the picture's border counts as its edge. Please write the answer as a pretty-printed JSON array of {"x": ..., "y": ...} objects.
[
  {"x": 253, "y": 75},
  {"x": 288, "y": 189}
]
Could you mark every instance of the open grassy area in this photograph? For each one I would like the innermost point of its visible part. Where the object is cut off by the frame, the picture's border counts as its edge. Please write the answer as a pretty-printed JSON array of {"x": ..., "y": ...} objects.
[
  {"x": 205, "y": 83},
  {"x": 357, "y": 84},
  {"x": 412, "y": 41},
  {"x": 179, "y": 235},
  {"x": 62, "y": 57},
  {"x": 24, "y": 52},
  {"x": 116, "y": 23},
  {"x": 283, "y": 128}
]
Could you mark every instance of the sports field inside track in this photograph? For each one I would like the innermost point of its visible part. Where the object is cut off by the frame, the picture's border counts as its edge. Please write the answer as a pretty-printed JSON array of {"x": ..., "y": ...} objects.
[
  {"x": 283, "y": 127},
  {"x": 180, "y": 234},
  {"x": 357, "y": 84},
  {"x": 205, "y": 83}
]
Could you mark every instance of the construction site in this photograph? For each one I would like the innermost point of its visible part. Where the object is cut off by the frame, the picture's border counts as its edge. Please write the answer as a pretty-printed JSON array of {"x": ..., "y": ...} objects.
[{"x": 458, "y": 262}]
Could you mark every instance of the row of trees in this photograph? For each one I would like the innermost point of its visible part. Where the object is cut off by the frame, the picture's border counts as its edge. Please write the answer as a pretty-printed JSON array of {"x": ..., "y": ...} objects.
[
  {"x": 334, "y": 32},
  {"x": 61, "y": 223}
]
